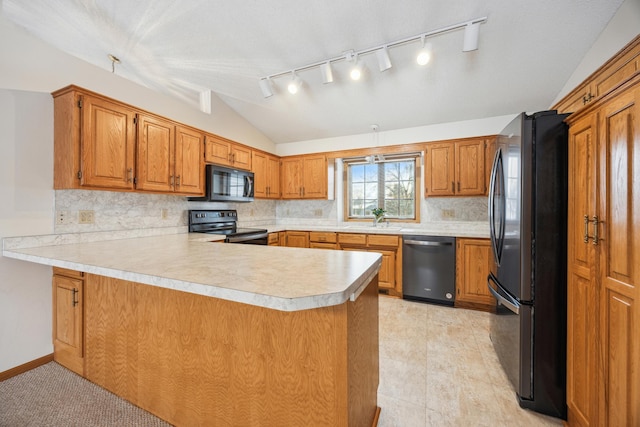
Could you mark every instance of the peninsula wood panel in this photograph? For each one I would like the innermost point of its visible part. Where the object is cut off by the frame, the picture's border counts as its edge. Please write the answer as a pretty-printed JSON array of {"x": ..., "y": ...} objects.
[
  {"x": 195, "y": 360},
  {"x": 582, "y": 313}
]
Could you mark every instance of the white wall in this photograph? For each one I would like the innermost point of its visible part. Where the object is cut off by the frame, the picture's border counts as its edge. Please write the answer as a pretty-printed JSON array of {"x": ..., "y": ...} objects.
[
  {"x": 438, "y": 132},
  {"x": 26, "y": 208},
  {"x": 623, "y": 27}
]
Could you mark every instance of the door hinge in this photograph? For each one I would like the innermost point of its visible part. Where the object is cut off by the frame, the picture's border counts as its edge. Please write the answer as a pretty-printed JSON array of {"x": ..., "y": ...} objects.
[
  {"x": 79, "y": 174},
  {"x": 79, "y": 103}
]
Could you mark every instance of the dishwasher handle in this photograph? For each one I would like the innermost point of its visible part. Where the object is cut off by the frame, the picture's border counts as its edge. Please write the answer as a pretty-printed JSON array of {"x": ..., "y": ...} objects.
[{"x": 427, "y": 243}]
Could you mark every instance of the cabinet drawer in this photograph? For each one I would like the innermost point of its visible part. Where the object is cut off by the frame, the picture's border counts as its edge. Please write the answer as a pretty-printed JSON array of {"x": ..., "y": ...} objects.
[
  {"x": 354, "y": 239},
  {"x": 316, "y": 236},
  {"x": 318, "y": 245},
  {"x": 68, "y": 273},
  {"x": 382, "y": 240},
  {"x": 273, "y": 239}
]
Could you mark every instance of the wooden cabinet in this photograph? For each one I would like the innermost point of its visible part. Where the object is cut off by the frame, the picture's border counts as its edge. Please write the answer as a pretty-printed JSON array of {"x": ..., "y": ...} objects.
[
  {"x": 297, "y": 239},
  {"x": 273, "y": 239},
  {"x": 619, "y": 69},
  {"x": 474, "y": 262},
  {"x": 389, "y": 246},
  {"x": 304, "y": 177},
  {"x": 103, "y": 144},
  {"x": 456, "y": 168},
  {"x": 169, "y": 157},
  {"x": 94, "y": 142},
  {"x": 266, "y": 169},
  {"x": 323, "y": 240},
  {"x": 68, "y": 319},
  {"x": 222, "y": 151},
  {"x": 603, "y": 379}
]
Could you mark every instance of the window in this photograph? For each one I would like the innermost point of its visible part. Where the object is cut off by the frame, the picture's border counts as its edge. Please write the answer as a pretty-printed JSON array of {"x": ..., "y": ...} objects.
[{"x": 389, "y": 184}]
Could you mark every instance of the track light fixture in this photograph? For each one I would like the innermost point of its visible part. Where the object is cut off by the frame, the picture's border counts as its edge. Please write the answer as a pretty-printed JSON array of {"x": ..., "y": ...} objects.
[{"x": 471, "y": 35}]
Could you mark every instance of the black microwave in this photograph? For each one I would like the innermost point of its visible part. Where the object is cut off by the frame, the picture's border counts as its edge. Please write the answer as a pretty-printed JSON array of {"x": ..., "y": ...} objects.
[{"x": 227, "y": 185}]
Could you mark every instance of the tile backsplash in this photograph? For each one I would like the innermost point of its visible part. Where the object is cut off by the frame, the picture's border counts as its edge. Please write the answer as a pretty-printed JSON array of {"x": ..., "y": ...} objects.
[{"x": 113, "y": 211}]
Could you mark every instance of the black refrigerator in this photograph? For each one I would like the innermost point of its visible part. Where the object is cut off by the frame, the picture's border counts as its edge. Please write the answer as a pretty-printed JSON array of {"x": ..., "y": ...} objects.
[{"x": 528, "y": 226}]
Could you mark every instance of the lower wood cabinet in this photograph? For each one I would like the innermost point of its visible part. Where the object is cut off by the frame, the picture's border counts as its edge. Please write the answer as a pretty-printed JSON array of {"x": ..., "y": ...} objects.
[
  {"x": 323, "y": 240},
  {"x": 297, "y": 239},
  {"x": 68, "y": 319},
  {"x": 390, "y": 247},
  {"x": 273, "y": 239},
  {"x": 474, "y": 262}
]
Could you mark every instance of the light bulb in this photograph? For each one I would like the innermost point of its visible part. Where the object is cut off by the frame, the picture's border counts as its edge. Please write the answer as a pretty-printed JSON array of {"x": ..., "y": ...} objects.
[
  {"x": 355, "y": 73},
  {"x": 294, "y": 84},
  {"x": 423, "y": 57}
]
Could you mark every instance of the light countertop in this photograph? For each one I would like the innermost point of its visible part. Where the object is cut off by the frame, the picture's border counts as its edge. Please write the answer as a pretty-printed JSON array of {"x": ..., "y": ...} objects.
[{"x": 281, "y": 278}]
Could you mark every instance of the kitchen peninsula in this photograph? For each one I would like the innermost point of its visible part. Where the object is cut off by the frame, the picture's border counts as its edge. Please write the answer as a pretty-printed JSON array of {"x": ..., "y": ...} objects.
[{"x": 208, "y": 333}]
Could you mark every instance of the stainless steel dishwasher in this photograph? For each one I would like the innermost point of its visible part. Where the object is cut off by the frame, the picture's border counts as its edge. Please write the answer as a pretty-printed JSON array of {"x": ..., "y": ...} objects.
[{"x": 429, "y": 269}]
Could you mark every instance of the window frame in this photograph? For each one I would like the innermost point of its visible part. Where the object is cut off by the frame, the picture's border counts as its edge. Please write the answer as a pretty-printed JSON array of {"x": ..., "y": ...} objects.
[{"x": 391, "y": 157}]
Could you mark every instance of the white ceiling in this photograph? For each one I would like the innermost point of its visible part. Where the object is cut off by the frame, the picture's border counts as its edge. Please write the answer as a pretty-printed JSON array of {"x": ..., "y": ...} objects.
[{"x": 527, "y": 51}]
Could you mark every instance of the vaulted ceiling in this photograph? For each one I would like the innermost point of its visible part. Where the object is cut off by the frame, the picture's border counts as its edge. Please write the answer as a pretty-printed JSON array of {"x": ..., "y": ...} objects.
[{"x": 527, "y": 51}]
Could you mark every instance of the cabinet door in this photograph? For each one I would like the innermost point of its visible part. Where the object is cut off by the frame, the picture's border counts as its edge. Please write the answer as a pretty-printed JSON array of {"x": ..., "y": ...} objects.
[
  {"x": 217, "y": 151},
  {"x": 582, "y": 313},
  {"x": 387, "y": 273},
  {"x": 68, "y": 322},
  {"x": 439, "y": 172},
  {"x": 469, "y": 168},
  {"x": 314, "y": 169},
  {"x": 292, "y": 178},
  {"x": 107, "y": 144},
  {"x": 156, "y": 148},
  {"x": 240, "y": 157},
  {"x": 189, "y": 164},
  {"x": 619, "y": 263},
  {"x": 260, "y": 174},
  {"x": 298, "y": 239},
  {"x": 273, "y": 177},
  {"x": 474, "y": 262}
]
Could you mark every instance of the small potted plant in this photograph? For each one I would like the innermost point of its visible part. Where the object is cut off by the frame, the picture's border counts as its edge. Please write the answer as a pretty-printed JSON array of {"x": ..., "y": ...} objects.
[{"x": 378, "y": 214}]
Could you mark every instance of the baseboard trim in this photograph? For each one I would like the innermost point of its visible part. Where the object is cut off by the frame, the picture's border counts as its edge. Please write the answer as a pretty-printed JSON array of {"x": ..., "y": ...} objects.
[
  {"x": 376, "y": 418},
  {"x": 26, "y": 367}
]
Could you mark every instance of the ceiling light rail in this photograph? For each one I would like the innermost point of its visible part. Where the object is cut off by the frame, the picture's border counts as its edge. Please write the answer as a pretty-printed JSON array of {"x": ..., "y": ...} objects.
[{"x": 470, "y": 43}]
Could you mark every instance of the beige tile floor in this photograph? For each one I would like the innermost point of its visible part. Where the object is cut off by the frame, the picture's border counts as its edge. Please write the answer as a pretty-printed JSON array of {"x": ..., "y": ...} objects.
[{"x": 438, "y": 368}]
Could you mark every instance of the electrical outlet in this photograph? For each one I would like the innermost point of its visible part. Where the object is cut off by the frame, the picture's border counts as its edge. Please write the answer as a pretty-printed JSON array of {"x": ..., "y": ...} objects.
[
  {"x": 448, "y": 213},
  {"x": 62, "y": 217},
  {"x": 317, "y": 212},
  {"x": 164, "y": 213},
  {"x": 85, "y": 217}
]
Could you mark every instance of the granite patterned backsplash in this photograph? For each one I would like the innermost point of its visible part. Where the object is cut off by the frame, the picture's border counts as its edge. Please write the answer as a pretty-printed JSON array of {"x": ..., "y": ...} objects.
[{"x": 113, "y": 211}]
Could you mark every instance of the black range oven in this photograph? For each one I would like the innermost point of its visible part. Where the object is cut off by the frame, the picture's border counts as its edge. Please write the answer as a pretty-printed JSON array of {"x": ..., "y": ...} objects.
[{"x": 225, "y": 222}]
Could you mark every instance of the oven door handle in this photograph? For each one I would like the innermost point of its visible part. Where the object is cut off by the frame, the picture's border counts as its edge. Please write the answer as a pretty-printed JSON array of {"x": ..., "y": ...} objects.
[
  {"x": 504, "y": 300},
  {"x": 247, "y": 237}
]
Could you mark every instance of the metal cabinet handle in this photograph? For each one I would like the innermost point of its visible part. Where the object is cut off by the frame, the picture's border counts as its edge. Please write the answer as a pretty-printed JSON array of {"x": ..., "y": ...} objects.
[
  {"x": 178, "y": 181},
  {"x": 453, "y": 186},
  {"x": 75, "y": 297},
  {"x": 586, "y": 229},
  {"x": 595, "y": 230},
  {"x": 458, "y": 186},
  {"x": 130, "y": 173}
]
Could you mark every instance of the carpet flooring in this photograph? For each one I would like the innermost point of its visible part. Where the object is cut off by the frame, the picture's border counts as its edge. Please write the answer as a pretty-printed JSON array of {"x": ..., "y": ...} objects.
[{"x": 51, "y": 395}]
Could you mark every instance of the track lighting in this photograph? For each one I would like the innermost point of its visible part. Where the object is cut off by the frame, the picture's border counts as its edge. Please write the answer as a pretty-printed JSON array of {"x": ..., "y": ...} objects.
[
  {"x": 424, "y": 55},
  {"x": 294, "y": 84},
  {"x": 265, "y": 87},
  {"x": 471, "y": 33},
  {"x": 327, "y": 73},
  {"x": 384, "y": 62}
]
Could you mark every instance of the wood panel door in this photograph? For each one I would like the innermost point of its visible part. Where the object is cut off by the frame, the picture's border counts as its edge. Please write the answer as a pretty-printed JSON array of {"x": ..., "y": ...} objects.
[
  {"x": 291, "y": 178},
  {"x": 156, "y": 148},
  {"x": 298, "y": 239},
  {"x": 189, "y": 161},
  {"x": 107, "y": 144},
  {"x": 260, "y": 174},
  {"x": 273, "y": 177},
  {"x": 469, "y": 168},
  {"x": 582, "y": 293},
  {"x": 240, "y": 157},
  {"x": 218, "y": 150},
  {"x": 68, "y": 326},
  {"x": 474, "y": 262},
  {"x": 439, "y": 172},
  {"x": 619, "y": 264},
  {"x": 314, "y": 169}
]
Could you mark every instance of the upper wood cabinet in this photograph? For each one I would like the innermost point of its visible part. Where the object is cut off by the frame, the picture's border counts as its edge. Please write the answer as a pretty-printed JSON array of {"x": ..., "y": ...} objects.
[
  {"x": 222, "y": 151},
  {"x": 620, "y": 68},
  {"x": 304, "y": 177},
  {"x": 266, "y": 169},
  {"x": 169, "y": 157},
  {"x": 94, "y": 142},
  {"x": 456, "y": 168},
  {"x": 103, "y": 144}
]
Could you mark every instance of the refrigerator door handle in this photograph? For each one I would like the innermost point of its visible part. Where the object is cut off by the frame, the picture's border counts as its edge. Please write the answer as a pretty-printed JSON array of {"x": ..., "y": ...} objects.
[{"x": 504, "y": 300}]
